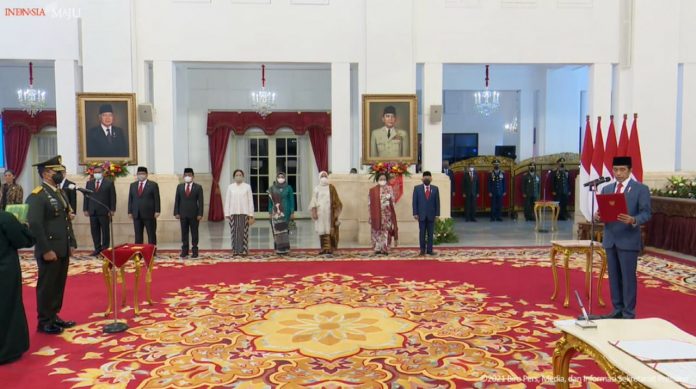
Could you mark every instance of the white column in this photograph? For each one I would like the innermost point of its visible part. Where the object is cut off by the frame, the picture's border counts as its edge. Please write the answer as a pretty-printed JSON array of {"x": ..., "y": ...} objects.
[
  {"x": 688, "y": 134},
  {"x": 341, "y": 145},
  {"x": 66, "y": 115},
  {"x": 389, "y": 47},
  {"x": 599, "y": 95},
  {"x": 653, "y": 85},
  {"x": 432, "y": 132},
  {"x": 163, "y": 97}
]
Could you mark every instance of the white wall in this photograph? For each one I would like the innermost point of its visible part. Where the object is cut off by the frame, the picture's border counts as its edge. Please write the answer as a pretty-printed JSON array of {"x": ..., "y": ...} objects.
[
  {"x": 563, "y": 117},
  {"x": 204, "y": 87},
  {"x": 524, "y": 78}
]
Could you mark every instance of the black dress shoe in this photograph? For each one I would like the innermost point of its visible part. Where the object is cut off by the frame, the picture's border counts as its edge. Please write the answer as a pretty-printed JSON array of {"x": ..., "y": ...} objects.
[
  {"x": 50, "y": 329},
  {"x": 421, "y": 253},
  {"x": 613, "y": 315},
  {"x": 95, "y": 253},
  {"x": 499, "y": 220},
  {"x": 64, "y": 324},
  {"x": 432, "y": 253},
  {"x": 194, "y": 253},
  {"x": 183, "y": 254}
]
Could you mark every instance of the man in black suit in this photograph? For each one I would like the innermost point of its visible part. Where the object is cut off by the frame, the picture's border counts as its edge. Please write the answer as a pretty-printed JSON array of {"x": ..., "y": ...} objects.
[
  {"x": 144, "y": 206},
  {"x": 107, "y": 140},
  {"x": 71, "y": 194},
  {"x": 188, "y": 208},
  {"x": 471, "y": 193},
  {"x": 104, "y": 192},
  {"x": 426, "y": 209}
]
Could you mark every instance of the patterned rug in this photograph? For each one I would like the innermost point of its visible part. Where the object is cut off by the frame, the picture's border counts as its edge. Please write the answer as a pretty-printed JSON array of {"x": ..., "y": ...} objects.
[{"x": 466, "y": 318}]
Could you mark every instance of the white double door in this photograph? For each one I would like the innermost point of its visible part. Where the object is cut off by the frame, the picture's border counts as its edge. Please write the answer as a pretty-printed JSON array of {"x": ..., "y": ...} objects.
[{"x": 267, "y": 156}]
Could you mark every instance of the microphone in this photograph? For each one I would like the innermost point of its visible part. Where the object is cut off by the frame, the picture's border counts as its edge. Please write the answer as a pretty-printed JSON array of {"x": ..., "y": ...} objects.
[
  {"x": 600, "y": 180},
  {"x": 83, "y": 190}
]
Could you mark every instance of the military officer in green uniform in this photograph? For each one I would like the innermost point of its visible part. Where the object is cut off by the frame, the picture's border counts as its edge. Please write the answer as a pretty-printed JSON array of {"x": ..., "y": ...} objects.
[
  {"x": 49, "y": 221},
  {"x": 531, "y": 187},
  {"x": 389, "y": 141},
  {"x": 561, "y": 188}
]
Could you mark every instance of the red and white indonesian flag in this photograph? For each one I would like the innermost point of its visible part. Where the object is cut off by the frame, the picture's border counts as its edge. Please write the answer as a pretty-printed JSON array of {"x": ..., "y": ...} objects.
[
  {"x": 585, "y": 167},
  {"x": 610, "y": 149},
  {"x": 634, "y": 150}
]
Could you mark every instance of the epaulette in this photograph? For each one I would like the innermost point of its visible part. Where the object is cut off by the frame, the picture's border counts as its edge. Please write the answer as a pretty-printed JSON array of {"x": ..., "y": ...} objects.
[{"x": 37, "y": 190}]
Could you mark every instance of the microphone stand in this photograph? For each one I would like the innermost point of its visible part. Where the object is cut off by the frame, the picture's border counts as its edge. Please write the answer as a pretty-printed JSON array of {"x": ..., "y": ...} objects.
[
  {"x": 589, "y": 317},
  {"x": 115, "y": 326}
]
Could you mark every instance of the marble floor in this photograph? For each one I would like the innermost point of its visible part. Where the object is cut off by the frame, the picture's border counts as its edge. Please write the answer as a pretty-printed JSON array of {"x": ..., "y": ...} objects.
[{"x": 482, "y": 233}]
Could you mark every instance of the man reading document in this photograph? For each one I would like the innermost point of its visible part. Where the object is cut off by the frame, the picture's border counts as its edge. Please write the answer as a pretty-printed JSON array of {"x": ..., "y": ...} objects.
[{"x": 622, "y": 241}]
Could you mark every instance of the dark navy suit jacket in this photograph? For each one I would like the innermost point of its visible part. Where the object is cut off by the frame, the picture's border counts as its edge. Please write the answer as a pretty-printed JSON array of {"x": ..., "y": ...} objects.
[
  {"x": 626, "y": 236},
  {"x": 426, "y": 210}
]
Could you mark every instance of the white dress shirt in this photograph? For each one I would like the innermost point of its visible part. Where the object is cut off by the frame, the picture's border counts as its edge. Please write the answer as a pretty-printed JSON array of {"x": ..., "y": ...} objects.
[{"x": 239, "y": 200}]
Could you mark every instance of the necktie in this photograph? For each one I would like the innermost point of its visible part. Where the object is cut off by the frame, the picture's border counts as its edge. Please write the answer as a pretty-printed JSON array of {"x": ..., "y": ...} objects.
[
  {"x": 427, "y": 192},
  {"x": 388, "y": 133},
  {"x": 141, "y": 187},
  {"x": 619, "y": 187},
  {"x": 108, "y": 134},
  {"x": 96, "y": 188},
  {"x": 188, "y": 190}
]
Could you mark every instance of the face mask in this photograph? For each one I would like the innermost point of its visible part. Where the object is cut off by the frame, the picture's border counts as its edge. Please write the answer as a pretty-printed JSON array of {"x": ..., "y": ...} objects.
[
  {"x": 98, "y": 176},
  {"x": 562, "y": 166},
  {"x": 188, "y": 179},
  {"x": 532, "y": 170},
  {"x": 324, "y": 181},
  {"x": 281, "y": 180},
  {"x": 471, "y": 169},
  {"x": 142, "y": 177},
  {"x": 57, "y": 177},
  {"x": 382, "y": 182},
  {"x": 426, "y": 181},
  {"x": 239, "y": 179}
]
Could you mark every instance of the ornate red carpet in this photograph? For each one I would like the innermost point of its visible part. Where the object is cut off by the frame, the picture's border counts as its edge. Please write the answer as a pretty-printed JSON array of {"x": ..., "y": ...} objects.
[{"x": 468, "y": 318}]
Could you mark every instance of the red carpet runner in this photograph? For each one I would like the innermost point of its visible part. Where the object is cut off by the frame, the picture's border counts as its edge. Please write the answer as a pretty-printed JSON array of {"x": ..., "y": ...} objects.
[{"x": 470, "y": 318}]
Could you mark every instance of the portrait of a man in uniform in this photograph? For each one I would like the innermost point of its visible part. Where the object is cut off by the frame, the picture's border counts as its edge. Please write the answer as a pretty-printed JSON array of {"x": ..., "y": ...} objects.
[{"x": 389, "y": 133}]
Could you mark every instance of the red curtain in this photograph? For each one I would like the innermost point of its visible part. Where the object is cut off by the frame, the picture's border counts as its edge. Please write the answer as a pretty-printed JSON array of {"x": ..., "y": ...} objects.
[
  {"x": 217, "y": 144},
  {"x": 18, "y": 127},
  {"x": 222, "y": 123},
  {"x": 320, "y": 146},
  {"x": 240, "y": 122}
]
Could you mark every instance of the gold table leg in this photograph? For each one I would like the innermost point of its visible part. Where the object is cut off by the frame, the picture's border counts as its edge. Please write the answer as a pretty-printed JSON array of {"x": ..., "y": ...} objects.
[
  {"x": 562, "y": 355},
  {"x": 566, "y": 260},
  {"x": 554, "y": 271},
  {"x": 106, "y": 272},
  {"x": 136, "y": 305},
  {"x": 602, "y": 271},
  {"x": 148, "y": 281}
]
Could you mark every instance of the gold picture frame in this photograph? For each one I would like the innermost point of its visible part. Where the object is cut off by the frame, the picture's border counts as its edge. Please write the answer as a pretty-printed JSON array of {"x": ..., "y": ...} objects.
[
  {"x": 118, "y": 142},
  {"x": 396, "y": 144}
]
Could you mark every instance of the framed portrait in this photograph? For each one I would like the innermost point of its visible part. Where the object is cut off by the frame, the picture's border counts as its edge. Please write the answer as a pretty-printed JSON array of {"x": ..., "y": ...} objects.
[
  {"x": 390, "y": 129},
  {"x": 107, "y": 127}
]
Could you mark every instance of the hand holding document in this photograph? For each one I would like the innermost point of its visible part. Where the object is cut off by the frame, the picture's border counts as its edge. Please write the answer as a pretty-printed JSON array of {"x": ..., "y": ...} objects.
[{"x": 612, "y": 207}]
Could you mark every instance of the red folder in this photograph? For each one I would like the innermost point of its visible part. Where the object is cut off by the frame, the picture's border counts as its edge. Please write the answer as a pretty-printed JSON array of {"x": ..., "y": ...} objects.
[{"x": 611, "y": 206}]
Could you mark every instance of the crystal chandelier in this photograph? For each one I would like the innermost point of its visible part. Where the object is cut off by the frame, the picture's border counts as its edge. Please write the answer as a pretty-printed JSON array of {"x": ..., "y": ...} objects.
[
  {"x": 513, "y": 127},
  {"x": 32, "y": 100},
  {"x": 263, "y": 100},
  {"x": 486, "y": 101}
]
